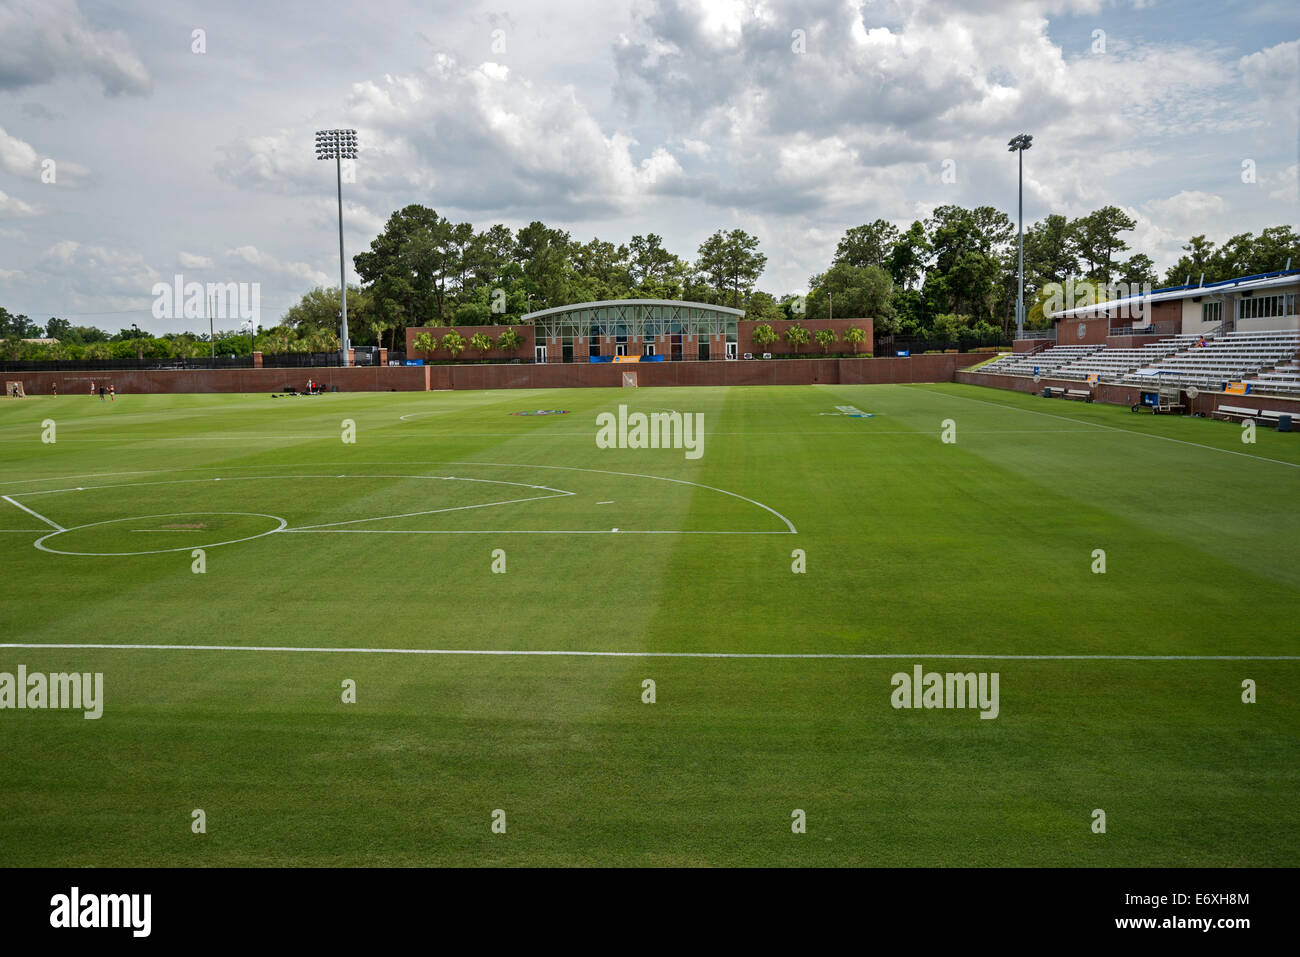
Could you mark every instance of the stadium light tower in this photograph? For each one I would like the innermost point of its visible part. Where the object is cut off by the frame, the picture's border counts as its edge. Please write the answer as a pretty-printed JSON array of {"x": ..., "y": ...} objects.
[
  {"x": 339, "y": 145},
  {"x": 1018, "y": 145}
]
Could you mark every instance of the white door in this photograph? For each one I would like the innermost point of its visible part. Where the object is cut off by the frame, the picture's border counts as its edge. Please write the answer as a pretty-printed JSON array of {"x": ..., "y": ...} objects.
[
  {"x": 731, "y": 350},
  {"x": 539, "y": 353}
]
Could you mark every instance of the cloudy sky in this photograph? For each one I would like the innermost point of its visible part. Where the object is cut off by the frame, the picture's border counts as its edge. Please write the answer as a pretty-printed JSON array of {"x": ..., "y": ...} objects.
[{"x": 793, "y": 121}]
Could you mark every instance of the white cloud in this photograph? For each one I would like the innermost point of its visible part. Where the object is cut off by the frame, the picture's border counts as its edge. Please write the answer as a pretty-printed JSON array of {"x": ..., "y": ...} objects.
[
  {"x": 193, "y": 261},
  {"x": 255, "y": 257},
  {"x": 16, "y": 156},
  {"x": 11, "y": 207},
  {"x": 41, "y": 39},
  {"x": 91, "y": 276},
  {"x": 20, "y": 159},
  {"x": 1288, "y": 185},
  {"x": 1274, "y": 71}
]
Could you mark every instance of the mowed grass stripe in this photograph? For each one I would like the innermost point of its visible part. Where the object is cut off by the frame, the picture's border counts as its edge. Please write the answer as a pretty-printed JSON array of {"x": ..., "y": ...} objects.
[{"x": 708, "y": 775}]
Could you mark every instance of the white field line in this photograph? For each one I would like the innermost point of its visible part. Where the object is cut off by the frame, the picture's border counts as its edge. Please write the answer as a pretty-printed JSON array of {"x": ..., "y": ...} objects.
[
  {"x": 332, "y": 526},
  {"x": 226, "y": 478},
  {"x": 571, "y": 468},
  {"x": 34, "y": 514},
  {"x": 517, "y": 531},
  {"x": 789, "y": 525},
  {"x": 1115, "y": 428},
  {"x": 411, "y": 415},
  {"x": 566, "y": 468},
  {"x": 835, "y": 656}
]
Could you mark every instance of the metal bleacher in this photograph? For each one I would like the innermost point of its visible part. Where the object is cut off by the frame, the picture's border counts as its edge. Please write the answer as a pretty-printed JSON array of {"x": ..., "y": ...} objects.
[
  {"x": 1024, "y": 363},
  {"x": 1284, "y": 378},
  {"x": 1268, "y": 361},
  {"x": 1113, "y": 364},
  {"x": 1264, "y": 357}
]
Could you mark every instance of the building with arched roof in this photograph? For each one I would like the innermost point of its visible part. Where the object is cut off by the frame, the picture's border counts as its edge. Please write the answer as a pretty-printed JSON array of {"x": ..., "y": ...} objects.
[
  {"x": 651, "y": 328},
  {"x": 654, "y": 330}
]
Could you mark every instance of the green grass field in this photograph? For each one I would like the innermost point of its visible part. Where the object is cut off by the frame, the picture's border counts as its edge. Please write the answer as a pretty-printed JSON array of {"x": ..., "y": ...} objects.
[{"x": 913, "y": 546}]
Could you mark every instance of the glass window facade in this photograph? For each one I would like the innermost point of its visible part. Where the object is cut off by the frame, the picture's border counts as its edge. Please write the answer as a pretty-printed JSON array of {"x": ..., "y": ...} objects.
[{"x": 637, "y": 318}]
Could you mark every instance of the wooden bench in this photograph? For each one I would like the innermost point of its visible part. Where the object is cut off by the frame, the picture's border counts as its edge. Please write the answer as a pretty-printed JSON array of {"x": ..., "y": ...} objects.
[{"x": 1081, "y": 394}]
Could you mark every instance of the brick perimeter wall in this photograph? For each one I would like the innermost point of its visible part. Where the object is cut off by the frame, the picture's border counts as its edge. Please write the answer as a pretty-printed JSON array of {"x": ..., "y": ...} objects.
[
  {"x": 745, "y": 335},
  {"x": 525, "y": 350},
  {"x": 936, "y": 368}
]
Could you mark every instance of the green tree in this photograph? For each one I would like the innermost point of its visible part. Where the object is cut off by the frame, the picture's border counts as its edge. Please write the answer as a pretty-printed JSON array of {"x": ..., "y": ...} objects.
[
  {"x": 869, "y": 245},
  {"x": 1136, "y": 271},
  {"x": 1050, "y": 254},
  {"x": 454, "y": 343},
  {"x": 764, "y": 335},
  {"x": 826, "y": 338},
  {"x": 58, "y": 329},
  {"x": 480, "y": 342},
  {"x": 544, "y": 256},
  {"x": 796, "y": 336},
  {"x": 858, "y": 292},
  {"x": 1197, "y": 260},
  {"x": 854, "y": 335},
  {"x": 426, "y": 343},
  {"x": 408, "y": 266},
  {"x": 18, "y": 326},
  {"x": 910, "y": 255},
  {"x": 655, "y": 272},
  {"x": 1097, "y": 238},
  {"x": 761, "y": 305},
  {"x": 1274, "y": 248},
  {"x": 509, "y": 341},
  {"x": 731, "y": 262}
]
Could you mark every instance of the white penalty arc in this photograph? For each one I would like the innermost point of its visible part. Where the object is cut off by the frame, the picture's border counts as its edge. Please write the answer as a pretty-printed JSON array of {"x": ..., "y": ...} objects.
[
  {"x": 40, "y": 542},
  {"x": 789, "y": 528}
]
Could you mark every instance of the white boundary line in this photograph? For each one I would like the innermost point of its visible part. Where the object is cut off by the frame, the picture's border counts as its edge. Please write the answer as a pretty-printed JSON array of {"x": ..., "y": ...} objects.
[
  {"x": 39, "y": 543},
  {"x": 790, "y": 529},
  {"x": 1111, "y": 428},
  {"x": 411, "y": 415},
  {"x": 661, "y": 478},
  {"x": 835, "y": 656},
  {"x": 34, "y": 514},
  {"x": 515, "y": 531}
]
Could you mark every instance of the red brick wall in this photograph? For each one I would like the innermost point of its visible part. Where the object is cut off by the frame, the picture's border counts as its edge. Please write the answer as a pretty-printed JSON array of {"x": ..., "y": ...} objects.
[
  {"x": 1095, "y": 332},
  {"x": 354, "y": 379},
  {"x": 1130, "y": 342},
  {"x": 525, "y": 350},
  {"x": 1032, "y": 345},
  {"x": 934, "y": 368},
  {"x": 745, "y": 336}
]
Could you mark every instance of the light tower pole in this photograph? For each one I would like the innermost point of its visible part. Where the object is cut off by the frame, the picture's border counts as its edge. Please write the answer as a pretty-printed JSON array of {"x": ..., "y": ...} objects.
[
  {"x": 1018, "y": 145},
  {"x": 339, "y": 145}
]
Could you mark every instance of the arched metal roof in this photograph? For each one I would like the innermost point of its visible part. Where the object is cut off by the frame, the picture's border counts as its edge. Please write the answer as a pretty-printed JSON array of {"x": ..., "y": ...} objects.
[
  {"x": 635, "y": 318},
  {"x": 614, "y": 303}
]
